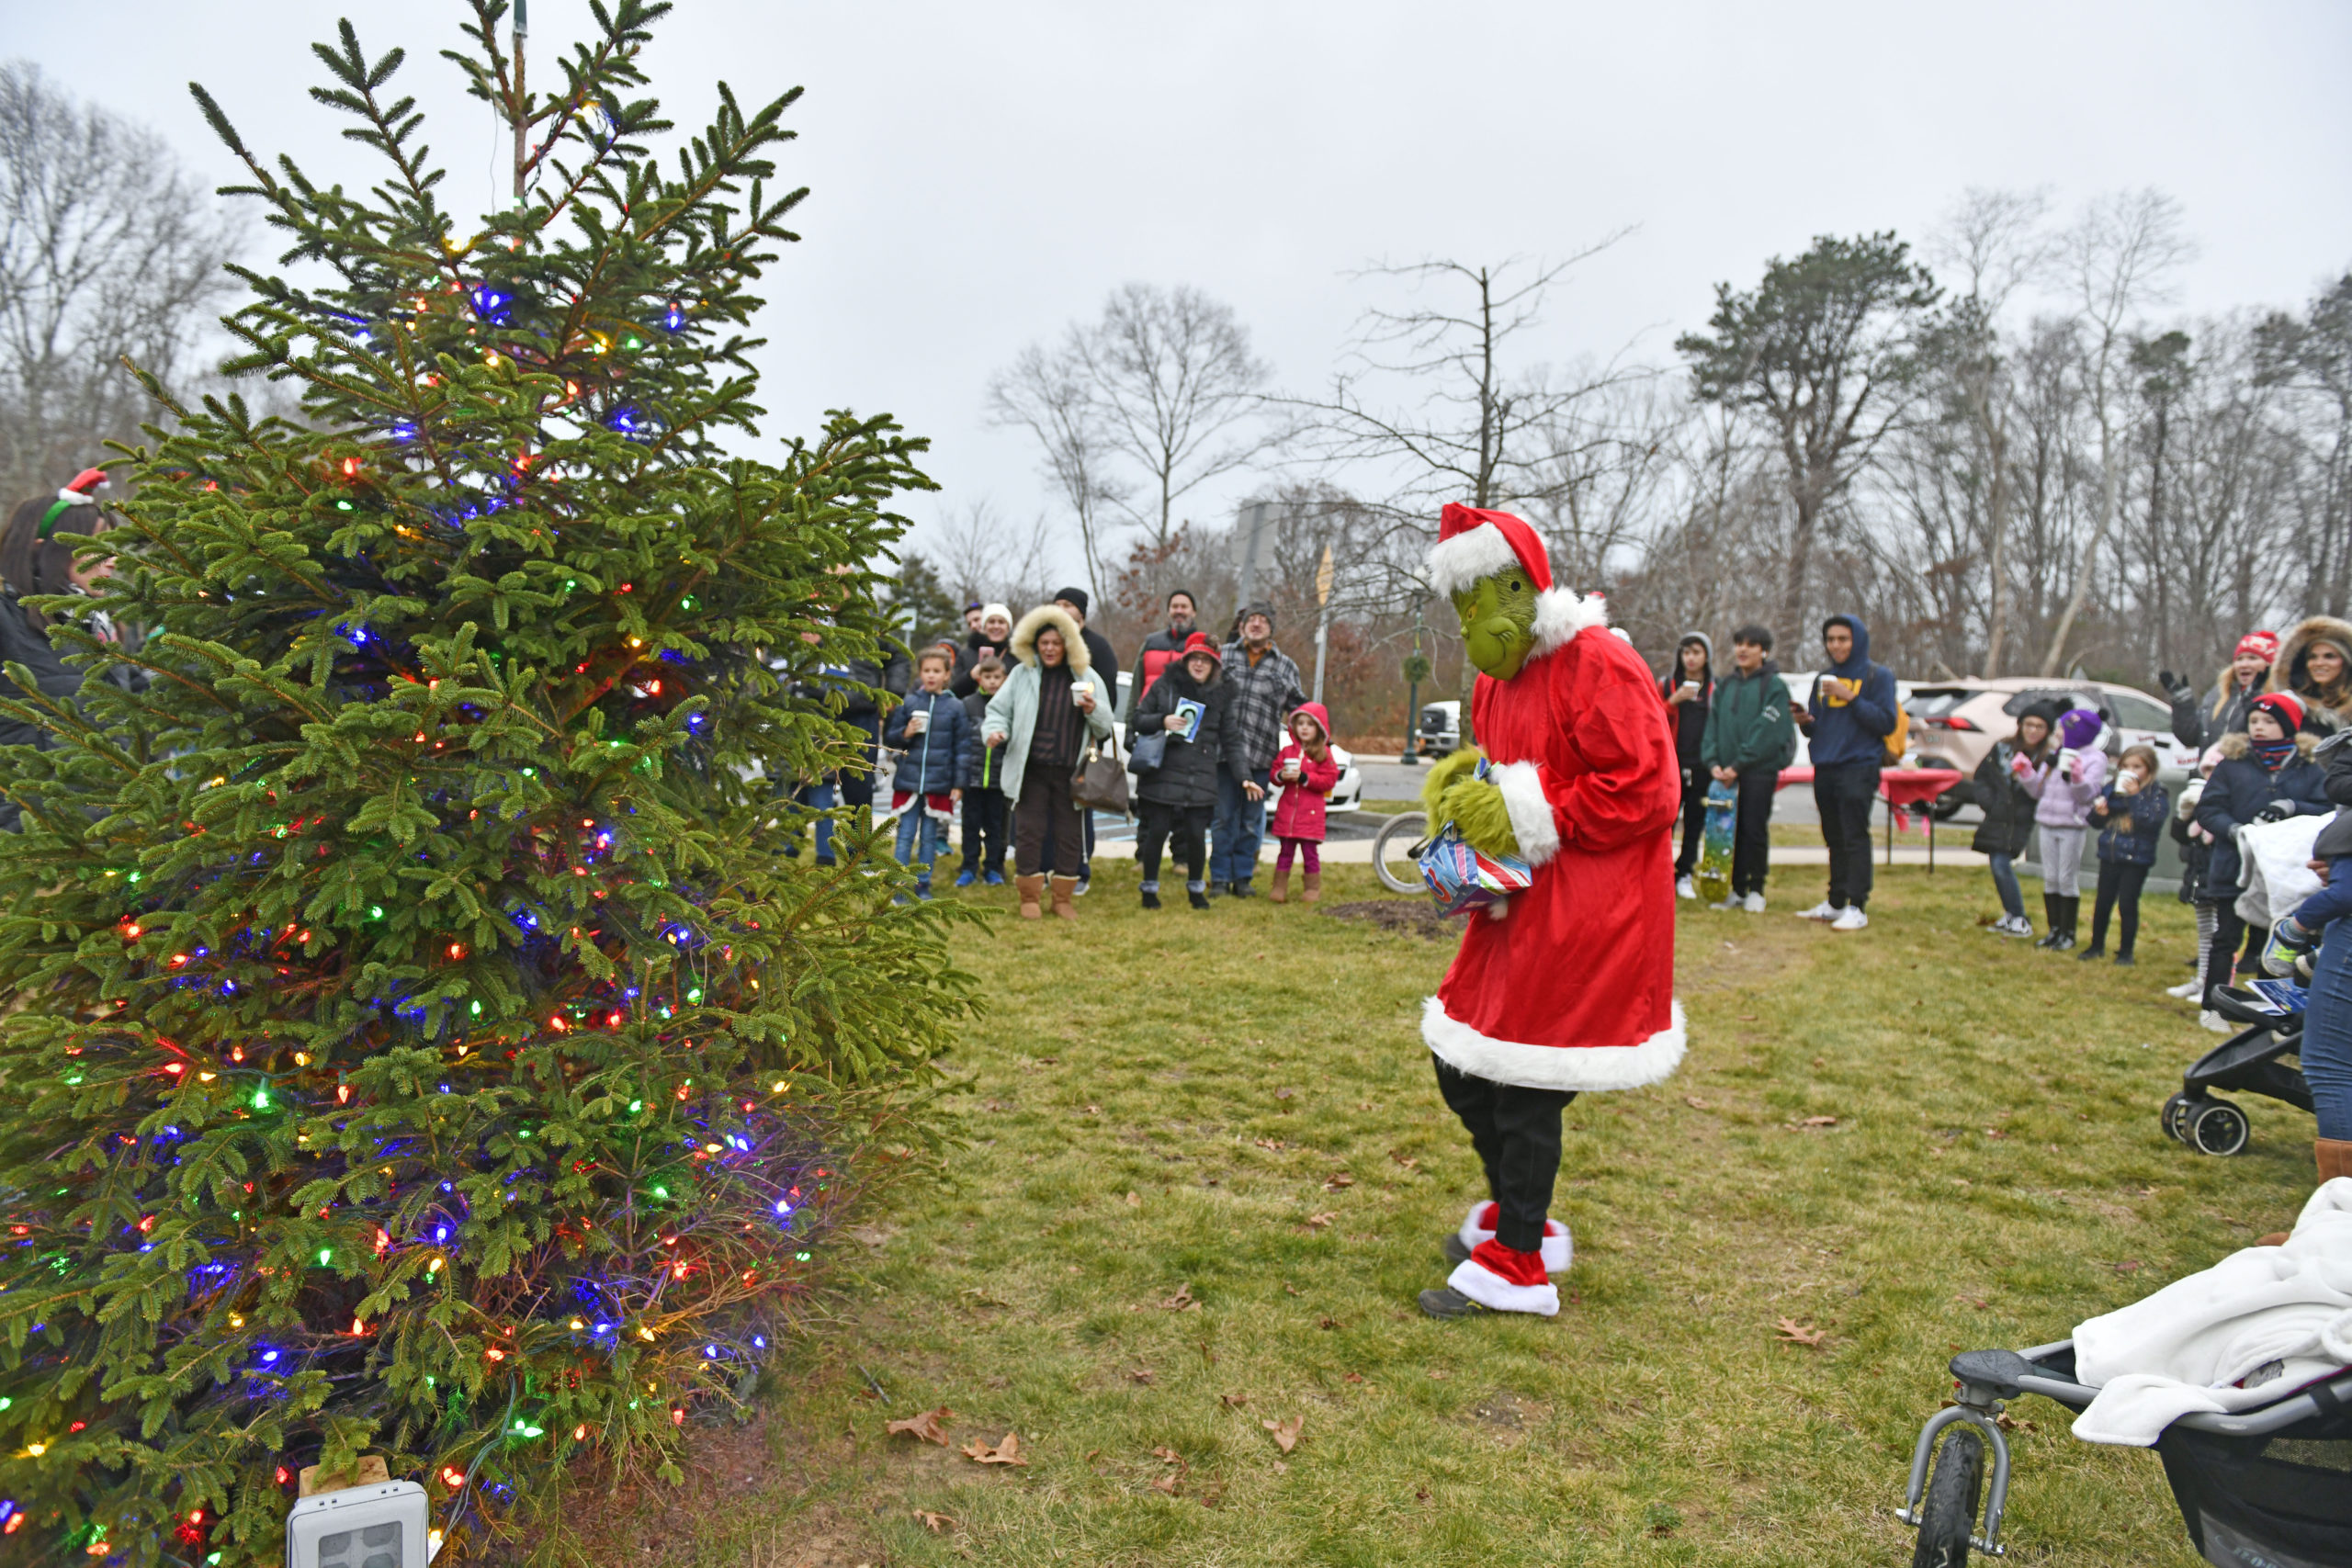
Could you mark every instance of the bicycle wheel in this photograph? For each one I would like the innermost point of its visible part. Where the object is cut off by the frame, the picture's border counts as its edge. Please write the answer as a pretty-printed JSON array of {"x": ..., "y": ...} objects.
[
  {"x": 1949, "y": 1510},
  {"x": 1394, "y": 852}
]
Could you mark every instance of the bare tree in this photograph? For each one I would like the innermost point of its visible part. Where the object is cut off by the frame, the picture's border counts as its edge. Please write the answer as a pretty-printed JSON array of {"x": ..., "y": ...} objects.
[
  {"x": 1993, "y": 241},
  {"x": 107, "y": 251},
  {"x": 2117, "y": 261},
  {"x": 1046, "y": 394},
  {"x": 2313, "y": 355},
  {"x": 982, "y": 553}
]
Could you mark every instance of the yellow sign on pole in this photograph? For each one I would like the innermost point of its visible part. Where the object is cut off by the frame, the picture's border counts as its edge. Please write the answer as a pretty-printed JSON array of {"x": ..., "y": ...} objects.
[{"x": 1323, "y": 580}]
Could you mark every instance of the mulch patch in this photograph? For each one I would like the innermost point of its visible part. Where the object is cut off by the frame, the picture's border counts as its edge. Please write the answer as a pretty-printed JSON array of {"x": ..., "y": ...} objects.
[{"x": 1406, "y": 917}]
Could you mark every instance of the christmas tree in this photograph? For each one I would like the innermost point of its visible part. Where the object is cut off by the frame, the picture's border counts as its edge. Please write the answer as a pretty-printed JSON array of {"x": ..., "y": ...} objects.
[{"x": 423, "y": 1045}]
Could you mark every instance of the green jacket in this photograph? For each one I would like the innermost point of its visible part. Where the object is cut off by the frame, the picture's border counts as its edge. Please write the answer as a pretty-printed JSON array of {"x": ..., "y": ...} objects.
[
  {"x": 1749, "y": 725},
  {"x": 1013, "y": 712}
]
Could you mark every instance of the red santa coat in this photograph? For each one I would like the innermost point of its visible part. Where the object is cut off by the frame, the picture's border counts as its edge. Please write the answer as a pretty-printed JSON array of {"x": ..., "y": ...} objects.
[{"x": 1570, "y": 985}]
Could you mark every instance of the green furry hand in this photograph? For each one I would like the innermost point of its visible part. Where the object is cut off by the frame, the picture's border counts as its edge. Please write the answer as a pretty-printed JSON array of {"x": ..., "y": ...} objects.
[{"x": 1475, "y": 806}]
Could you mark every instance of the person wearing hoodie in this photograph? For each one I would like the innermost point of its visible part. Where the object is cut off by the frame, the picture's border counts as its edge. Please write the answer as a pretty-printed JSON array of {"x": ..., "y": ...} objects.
[
  {"x": 2007, "y": 827},
  {"x": 1307, "y": 773},
  {"x": 2315, "y": 664},
  {"x": 1849, "y": 717},
  {"x": 2203, "y": 723},
  {"x": 1161, "y": 649},
  {"x": 2324, "y": 922},
  {"x": 937, "y": 749},
  {"x": 1265, "y": 690},
  {"x": 2266, "y": 775},
  {"x": 1044, "y": 716},
  {"x": 2063, "y": 784},
  {"x": 1751, "y": 735},
  {"x": 1688, "y": 689},
  {"x": 1192, "y": 703}
]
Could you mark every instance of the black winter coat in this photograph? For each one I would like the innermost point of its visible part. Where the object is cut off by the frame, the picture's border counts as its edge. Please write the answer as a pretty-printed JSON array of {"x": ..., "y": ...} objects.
[
  {"x": 2236, "y": 792},
  {"x": 2007, "y": 827},
  {"x": 1188, "y": 776},
  {"x": 24, "y": 645}
]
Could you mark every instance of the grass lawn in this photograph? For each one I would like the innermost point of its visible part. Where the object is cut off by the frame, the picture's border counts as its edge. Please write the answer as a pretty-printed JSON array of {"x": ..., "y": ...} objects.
[{"x": 1209, "y": 1169}]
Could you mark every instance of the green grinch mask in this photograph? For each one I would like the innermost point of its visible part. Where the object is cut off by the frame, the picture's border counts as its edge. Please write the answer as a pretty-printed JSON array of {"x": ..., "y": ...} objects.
[{"x": 1497, "y": 616}]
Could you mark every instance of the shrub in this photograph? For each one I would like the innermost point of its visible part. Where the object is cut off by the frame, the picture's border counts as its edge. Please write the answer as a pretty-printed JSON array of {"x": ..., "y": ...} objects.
[{"x": 422, "y": 1042}]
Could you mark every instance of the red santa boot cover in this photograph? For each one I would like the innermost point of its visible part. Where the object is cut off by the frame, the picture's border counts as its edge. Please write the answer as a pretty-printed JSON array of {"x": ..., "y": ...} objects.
[
  {"x": 1496, "y": 1277},
  {"x": 1559, "y": 1247}
]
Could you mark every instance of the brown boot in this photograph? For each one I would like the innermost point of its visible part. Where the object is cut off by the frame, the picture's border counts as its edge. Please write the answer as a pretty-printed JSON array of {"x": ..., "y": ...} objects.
[
  {"x": 1031, "y": 888},
  {"x": 1279, "y": 892},
  {"x": 2334, "y": 1157},
  {"x": 1065, "y": 891},
  {"x": 1310, "y": 887}
]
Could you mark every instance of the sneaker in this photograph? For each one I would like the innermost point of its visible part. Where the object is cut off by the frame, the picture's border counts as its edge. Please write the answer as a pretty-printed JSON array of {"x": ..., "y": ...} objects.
[
  {"x": 1198, "y": 896},
  {"x": 2014, "y": 925},
  {"x": 2061, "y": 941},
  {"x": 2089, "y": 955},
  {"x": 1683, "y": 889},
  {"x": 964, "y": 878},
  {"x": 1151, "y": 897},
  {"x": 2216, "y": 1022},
  {"x": 2185, "y": 991},
  {"x": 1079, "y": 891},
  {"x": 1753, "y": 904},
  {"x": 993, "y": 878},
  {"x": 1825, "y": 910},
  {"x": 1728, "y": 901},
  {"x": 923, "y": 889},
  {"x": 1850, "y": 920},
  {"x": 1241, "y": 890}
]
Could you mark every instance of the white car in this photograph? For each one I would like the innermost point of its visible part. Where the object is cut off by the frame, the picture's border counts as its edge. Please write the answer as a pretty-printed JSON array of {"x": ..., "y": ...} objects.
[{"x": 1346, "y": 795}]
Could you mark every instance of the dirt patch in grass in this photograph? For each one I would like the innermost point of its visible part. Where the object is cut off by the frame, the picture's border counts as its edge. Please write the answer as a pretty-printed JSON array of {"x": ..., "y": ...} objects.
[{"x": 1405, "y": 916}]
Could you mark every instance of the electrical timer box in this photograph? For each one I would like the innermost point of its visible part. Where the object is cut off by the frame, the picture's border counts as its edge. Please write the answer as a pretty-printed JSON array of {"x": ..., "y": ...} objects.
[{"x": 381, "y": 1525}]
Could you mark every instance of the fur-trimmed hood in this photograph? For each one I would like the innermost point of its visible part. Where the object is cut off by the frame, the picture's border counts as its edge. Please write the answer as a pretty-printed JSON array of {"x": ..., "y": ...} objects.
[
  {"x": 1024, "y": 637},
  {"x": 2289, "y": 671},
  {"x": 2237, "y": 744}
]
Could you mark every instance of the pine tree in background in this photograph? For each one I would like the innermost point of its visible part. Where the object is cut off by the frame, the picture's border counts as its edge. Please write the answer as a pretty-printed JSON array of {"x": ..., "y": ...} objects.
[{"x": 423, "y": 1045}]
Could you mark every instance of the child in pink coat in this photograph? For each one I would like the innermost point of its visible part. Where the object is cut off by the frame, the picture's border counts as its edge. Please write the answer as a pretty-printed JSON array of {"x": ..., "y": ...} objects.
[{"x": 1308, "y": 772}]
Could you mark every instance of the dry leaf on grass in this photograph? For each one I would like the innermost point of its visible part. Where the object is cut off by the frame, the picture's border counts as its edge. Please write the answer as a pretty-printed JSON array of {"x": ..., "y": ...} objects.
[
  {"x": 1337, "y": 1179},
  {"x": 1352, "y": 1376},
  {"x": 1141, "y": 1375},
  {"x": 1094, "y": 1111},
  {"x": 1816, "y": 1121},
  {"x": 1167, "y": 1456},
  {"x": 1291, "y": 1290},
  {"x": 937, "y": 1524},
  {"x": 2009, "y": 1423},
  {"x": 930, "y": 1426},
  {"x": 1181, "y": 1301},
  {"x": 1134, "y": 1199},
  {"x": 1317, "y": 1221},
  {"x": 1694, "y": 1102},
  {"x": 1006, "y": 1452},
  {"x": 1286, "y": 1432},
  {"x": 1271, "y": 1145},
  {"x": 1284, "y": 1093},
  {"x": 1329, "y": 1323},
  {"x": 1166, "y": 1484},
  {"x": 1401, "y": 1157},
  {"x": 1233, "y": 1401},
  {"x": 1791, "y": 1331}
]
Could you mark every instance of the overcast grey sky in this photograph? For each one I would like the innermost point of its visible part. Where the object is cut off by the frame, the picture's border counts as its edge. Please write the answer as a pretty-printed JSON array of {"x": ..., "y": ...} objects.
[{"x": 982, "y": 174}]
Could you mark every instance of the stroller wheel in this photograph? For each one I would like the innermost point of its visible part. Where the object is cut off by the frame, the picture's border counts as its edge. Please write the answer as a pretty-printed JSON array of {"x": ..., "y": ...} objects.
[
  {"x": 1948, "y": 1513},
  {"x": 2219, "y": 1128},
  {"x": 2174, "y": 1117}
]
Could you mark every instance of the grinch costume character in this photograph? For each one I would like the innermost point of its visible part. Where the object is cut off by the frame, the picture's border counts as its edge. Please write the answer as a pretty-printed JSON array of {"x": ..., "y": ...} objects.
[{"x": 1569, "y": 986}]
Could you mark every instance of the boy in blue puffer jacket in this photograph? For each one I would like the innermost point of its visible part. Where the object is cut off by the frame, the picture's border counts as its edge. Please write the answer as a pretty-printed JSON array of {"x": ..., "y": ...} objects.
[
  {"x": 1851, "y": 713},
  {"x": 938, "y": 749}
]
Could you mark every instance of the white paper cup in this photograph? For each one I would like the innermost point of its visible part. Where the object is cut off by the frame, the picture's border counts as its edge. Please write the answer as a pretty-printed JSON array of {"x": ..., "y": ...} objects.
[
  {"x": 1078, "y": 696},
  {"x": 917, "y": 722}
]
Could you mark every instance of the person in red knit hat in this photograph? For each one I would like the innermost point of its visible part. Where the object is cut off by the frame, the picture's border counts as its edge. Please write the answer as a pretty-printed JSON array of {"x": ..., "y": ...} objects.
[{"x": 1569, "y": 986}]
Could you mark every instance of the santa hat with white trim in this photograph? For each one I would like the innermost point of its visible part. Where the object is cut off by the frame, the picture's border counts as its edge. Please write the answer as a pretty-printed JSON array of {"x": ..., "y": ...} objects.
[{"x": 1473, "y": 542}]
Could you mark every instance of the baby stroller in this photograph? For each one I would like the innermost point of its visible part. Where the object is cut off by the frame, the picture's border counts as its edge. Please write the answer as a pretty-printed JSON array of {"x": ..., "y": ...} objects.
[
  {"x": 2247, "y": 1062},
  {"x": 2269, "y": 1487}
]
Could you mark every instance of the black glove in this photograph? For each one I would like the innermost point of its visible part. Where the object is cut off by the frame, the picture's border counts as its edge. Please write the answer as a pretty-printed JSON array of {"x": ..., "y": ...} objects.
[
  {"x": 2277, "y": 811},
  {"x": 2176, "y": 687}
]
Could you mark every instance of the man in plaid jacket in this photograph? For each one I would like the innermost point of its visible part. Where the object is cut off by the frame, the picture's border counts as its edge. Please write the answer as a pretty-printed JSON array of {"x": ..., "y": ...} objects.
[{"x": 1265, "y": 690}]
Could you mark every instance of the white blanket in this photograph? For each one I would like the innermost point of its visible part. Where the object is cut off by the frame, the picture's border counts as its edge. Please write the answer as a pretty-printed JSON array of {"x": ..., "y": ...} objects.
[
  {"x": 2276, "y": 857},
  {"x": 2188, "y": 1347}
]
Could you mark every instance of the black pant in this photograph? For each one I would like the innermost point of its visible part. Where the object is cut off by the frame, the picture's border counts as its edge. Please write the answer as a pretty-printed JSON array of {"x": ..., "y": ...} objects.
[
  {"x": 1183, "y": 829},
  {"x": 2228, "y": 931},
  {"x": 1843, "y": 793},
  {"x": 2118, "y": 889},
  {"x": 984, "y": 831},
  {"x": 1751, "y": 837},
  {"x": 1695, "y": 780},
  {"x": 1517, "y": 1134},
  {"x": 1045, "y": 822}
]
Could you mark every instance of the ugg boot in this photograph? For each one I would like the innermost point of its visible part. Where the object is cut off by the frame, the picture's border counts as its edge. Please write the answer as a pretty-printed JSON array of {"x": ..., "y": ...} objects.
[
  {"x": 2051, "y": 905},
  {"x": 1310, "y": 887},
  {"x": 2334, "y": 1157},
  {"x": 1065, "y": 893},
  {"x": 1279, "y": 892},
  {"x": 1032, "y": 888}
]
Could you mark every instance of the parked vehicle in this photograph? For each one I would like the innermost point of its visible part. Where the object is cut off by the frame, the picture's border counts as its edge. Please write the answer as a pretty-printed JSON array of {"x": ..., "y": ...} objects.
[
  {"x": 1441, "y": 728},
  {"x": 1346, "y": 795},
  {"x": 1953, "y": 725}
]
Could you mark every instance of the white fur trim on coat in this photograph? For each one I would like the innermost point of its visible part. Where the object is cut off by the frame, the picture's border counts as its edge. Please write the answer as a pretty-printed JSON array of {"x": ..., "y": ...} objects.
[
  {"x": 1456, "y": 563},
  {"x": 1024, "y": 637},
  {"x": 1532, "y": 821},
  {"x": 1580, "y": 1068},
  {"x": 1491, "y": 1290},
  {"x": 1561, "y": 612}
]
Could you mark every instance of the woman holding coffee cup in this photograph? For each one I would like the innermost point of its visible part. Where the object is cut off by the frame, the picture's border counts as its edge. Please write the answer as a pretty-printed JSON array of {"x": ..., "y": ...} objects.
[{"x": 1044, "y": 715}]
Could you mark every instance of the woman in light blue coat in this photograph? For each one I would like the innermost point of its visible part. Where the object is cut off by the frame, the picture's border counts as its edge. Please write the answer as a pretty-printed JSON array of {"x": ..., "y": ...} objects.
[{"x": 1048, "y": 711}]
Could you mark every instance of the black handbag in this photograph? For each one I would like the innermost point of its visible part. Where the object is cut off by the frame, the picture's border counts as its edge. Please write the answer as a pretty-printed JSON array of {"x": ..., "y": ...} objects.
[{"x": 1147, "y": 752}]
